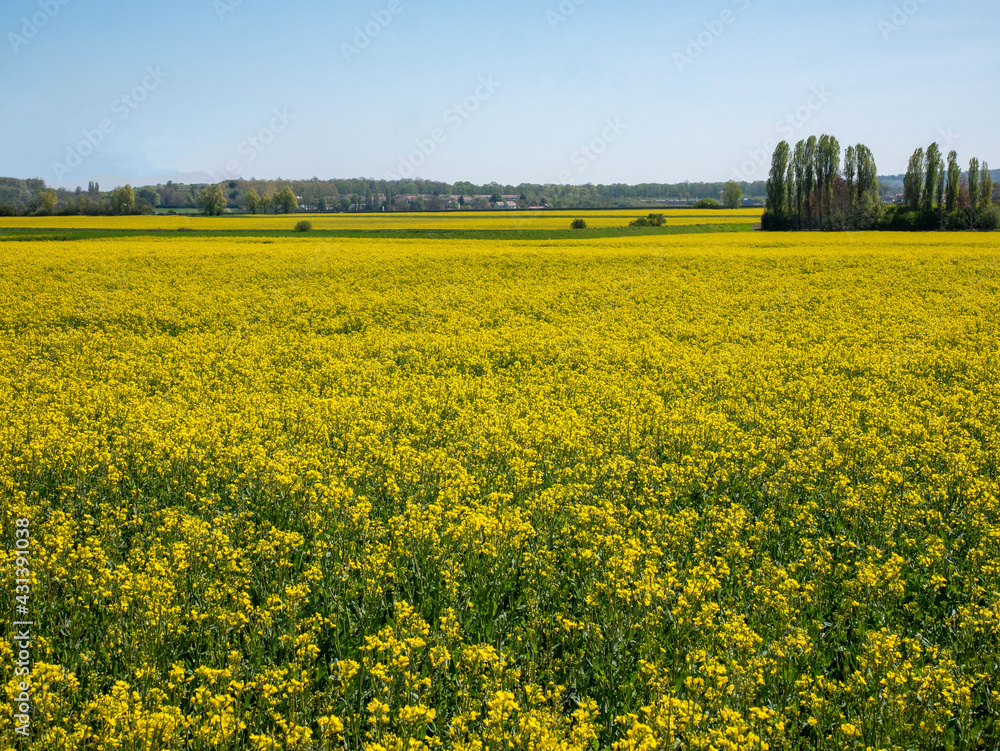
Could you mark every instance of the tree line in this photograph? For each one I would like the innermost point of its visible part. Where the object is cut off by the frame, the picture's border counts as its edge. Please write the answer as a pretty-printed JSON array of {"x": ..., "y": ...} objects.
[
  {"x": 938, "y": 195},
  {"x": 807, "y": 189},
  {"x": 811, "y": 187},
  {"x": 258, "y": 196}
]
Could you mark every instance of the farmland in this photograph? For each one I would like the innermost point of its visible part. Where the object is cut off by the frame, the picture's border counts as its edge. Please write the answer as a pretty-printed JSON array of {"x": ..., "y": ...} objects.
[
  {"x": 714, "y": 491},
  {"x": 442, "y": 221}
]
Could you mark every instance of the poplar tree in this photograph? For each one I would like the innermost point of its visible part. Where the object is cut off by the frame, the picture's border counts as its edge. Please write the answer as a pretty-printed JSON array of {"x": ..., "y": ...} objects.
[
  {"x": 954, "y": 181},
  {"x": 867, "y": 173},
  {"x": 810, "y": 175},
  {"x": 776, "y": 182},
  {"x": 850, "y": 172},
  {"x": 789, "y": 188},
  {"x": 986, "y": 188},
  {"x": 974, "y": 182},
  {"x": 911, "y": 183},
  {"x": 932, "y": 161},
  {"x": 831, "y": 166},
  {"x": 799, "y": 160},
  {"x": 821, "y": 166},
  {"x": 940, "y": 185}
]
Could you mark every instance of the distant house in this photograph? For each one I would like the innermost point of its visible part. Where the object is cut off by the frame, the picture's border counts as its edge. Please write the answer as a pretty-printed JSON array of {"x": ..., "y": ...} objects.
[{"x": 511, "y": 205}]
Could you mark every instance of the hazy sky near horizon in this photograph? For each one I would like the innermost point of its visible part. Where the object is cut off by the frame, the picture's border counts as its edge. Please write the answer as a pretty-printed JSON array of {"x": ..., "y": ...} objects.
[{"x": 574, "y": 91}]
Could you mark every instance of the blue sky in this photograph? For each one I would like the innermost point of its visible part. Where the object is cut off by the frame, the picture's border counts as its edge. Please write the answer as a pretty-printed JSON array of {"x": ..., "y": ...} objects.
[{"x": 571, "y": 91}]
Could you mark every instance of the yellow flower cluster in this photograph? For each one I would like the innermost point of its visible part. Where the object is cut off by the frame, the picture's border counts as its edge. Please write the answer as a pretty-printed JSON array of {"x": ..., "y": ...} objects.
[{"x": 702, "y": 492}]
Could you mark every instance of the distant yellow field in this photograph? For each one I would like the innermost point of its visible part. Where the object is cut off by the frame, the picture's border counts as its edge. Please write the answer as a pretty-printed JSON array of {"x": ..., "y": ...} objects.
[{"x": 444, "y": 221}]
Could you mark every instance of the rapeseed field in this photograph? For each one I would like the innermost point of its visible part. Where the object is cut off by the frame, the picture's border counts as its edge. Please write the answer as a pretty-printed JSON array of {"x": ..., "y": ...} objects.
[
  {"x": 456, "y": 221},
  {"x": 699, "y": 492}
]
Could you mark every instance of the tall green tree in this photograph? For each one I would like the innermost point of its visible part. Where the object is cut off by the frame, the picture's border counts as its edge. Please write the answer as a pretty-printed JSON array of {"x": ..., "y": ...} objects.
[
  {"x": 932, "y": 163},
  {"x": 939, "y": 193},
  {"x": 913, "y": 179},
  {"x": 986, "y": 188},
  {"x": 799, "y": 160},
  {"x": 821, "y": 166},
  {"x": 212, "y": 201},
  {"x": 810, "y": 176},
  {"x": 776, "y": 182},
  {"x": 790, "y": 189},
  {"x": 867, "y": 175},
  {"x": 828, "y": 158},
  {"x": 954, "y": 182},
  {"x": 732, "y": 195},
  {"x": 974, "y": 182},
  {"x": 850, "y": 172}
]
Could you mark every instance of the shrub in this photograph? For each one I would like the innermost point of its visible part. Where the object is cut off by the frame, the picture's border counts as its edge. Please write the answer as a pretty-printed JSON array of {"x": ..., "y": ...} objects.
[
  {"x": 906, "y": 219},
  {"x": 6, "y": 210},
  {"x": 144, "y": 207},
  {"x": 774, "y": 222},
  {"x": 707, "y": 203},
  {"x": 304, "y": 226},
  {"x": 579, "y": 224},
  {"x": 957, "y": 221},
  {"x": 988, "y": 219},
  {"x": 652, "y": 220}
]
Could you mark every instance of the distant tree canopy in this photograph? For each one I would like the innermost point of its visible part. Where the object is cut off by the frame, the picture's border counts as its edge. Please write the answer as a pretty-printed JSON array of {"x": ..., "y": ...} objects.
[
  {"x": 707, "y": 203},
  {"x": 123, "y": 200},
  {"x": 251, "y": 201},
  {"x": 47, "y": 202},
  {"x": 732, "y": 195},
  {"x": 22, "y": 197},
  {"x": 149, "y": 195},
  {"x": 285, "y": 201},
  {"x": 212, "y": 201}
]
